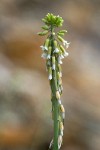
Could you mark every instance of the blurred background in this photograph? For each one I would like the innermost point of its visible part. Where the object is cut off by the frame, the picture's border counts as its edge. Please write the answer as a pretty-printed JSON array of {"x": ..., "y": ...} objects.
[{"x": 25, "y": 107}]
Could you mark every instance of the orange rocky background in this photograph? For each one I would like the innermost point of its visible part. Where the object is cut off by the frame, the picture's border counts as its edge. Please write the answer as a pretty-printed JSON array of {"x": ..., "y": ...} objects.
[{"x": 25, "y": 107}]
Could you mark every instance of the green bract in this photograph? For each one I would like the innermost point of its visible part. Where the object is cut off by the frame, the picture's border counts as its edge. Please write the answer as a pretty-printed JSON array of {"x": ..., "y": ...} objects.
[{"x": 55, "y": 21}]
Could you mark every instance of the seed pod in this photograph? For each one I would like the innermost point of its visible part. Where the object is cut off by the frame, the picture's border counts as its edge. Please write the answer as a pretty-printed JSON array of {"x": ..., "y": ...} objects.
[
  {"x": 63, "y": 31},
  {"x": 62, "y": 48},
  {"x": 47, "y": 42},
  {"x": 59, "y": 67},
  {"x": 61, "y": 126},
  {"x": 58, "y": 75},
  {"x": 42, "y": 33},
  {"x": 61, "y": 34},
  {"x": 62, "y": 108},
  {"x": 45, "y": 27},
  {"x": 60, "y": 81},
  {"x": 53, "y": 59},
  {"x": 60, "y": 38},
  {"x": 55, "y": 43},
  {"x": 57, "y": 95}
]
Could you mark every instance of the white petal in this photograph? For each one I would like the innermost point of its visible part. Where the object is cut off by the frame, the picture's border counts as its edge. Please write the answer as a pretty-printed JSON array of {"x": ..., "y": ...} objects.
[
  {"x": 59, "y": 60},
  {"x": 61, "y": 56},
  {"x": 56, "y": 50},
  {"x": 43, "y": 47},
  {"x": 59, "y": 101},
  {"x": 51, "y": 143},
  {"x": 50, "y": 76},
  {"x": 63, "y": 115},
  {"x": 53, "y": 67},
  {"x": 61, "y": 132},
  {"x": 66, "y": 54},
  {"x": 44, "y": 55},
  {"x": 48, "y": 56},
  {"x": 67, "y": 45}
]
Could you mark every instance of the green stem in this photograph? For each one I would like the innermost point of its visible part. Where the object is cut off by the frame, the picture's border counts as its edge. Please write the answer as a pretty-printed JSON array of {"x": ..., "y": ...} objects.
[{"x": 53, "y": 84}]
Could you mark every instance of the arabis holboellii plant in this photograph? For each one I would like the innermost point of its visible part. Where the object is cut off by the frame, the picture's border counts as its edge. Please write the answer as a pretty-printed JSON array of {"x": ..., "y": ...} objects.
[{"x": 53, "y": 52}]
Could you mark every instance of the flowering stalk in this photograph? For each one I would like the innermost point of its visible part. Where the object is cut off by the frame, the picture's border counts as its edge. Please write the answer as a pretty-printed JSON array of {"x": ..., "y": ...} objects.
[{"x": 54, "y": 52}]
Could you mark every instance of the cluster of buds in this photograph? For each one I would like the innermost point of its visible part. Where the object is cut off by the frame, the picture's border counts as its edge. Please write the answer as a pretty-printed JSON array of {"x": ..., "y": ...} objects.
[{"x": 54, "y": 50}]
